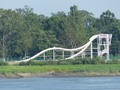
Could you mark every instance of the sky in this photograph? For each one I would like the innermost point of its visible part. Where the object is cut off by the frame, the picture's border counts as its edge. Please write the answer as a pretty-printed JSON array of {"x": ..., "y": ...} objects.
[{"x": 46, "y": 7}]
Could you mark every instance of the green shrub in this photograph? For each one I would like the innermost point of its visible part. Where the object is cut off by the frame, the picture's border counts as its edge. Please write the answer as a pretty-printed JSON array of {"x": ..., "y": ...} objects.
[
  {"x": 97, "y": 60},
  {"x": 75, "y": 61},
  {"x": 3, "y": 63},
  {"x": 64, "y": 62},
  {"x": 31, "y": 62},
  {"x": 114, "y": 61},
  {"x": 51, "y": 62}
]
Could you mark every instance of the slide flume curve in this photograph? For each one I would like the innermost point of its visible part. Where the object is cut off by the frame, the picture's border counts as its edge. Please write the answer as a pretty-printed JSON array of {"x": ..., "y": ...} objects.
[{"x": 80, "y": 49}]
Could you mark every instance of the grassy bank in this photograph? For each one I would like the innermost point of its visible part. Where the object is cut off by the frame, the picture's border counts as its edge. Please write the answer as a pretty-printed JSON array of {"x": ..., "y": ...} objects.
[
  {"x": 102, "y": 68},
  {"x": 75, "y": 67}
]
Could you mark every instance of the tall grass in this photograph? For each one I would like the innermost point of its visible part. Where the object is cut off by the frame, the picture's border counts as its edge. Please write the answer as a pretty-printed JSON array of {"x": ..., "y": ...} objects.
[
  {"x": 109, "y": 68},
  {"x": 76, "y": 65}
]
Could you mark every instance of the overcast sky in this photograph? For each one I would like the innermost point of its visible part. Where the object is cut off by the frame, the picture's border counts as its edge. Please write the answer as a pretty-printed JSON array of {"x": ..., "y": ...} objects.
[{"x": 47, "y": 7}]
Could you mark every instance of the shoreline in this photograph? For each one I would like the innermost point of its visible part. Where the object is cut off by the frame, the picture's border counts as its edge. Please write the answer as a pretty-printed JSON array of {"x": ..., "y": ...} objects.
[{"x": 53, "y": 74}]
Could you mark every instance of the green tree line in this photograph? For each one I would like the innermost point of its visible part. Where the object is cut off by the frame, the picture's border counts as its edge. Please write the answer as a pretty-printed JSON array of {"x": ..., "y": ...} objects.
[{"x": 25, "y": 33}]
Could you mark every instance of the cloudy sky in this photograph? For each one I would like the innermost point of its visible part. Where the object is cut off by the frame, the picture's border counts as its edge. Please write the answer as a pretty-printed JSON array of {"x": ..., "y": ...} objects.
[{"x": 47, "y": 7}]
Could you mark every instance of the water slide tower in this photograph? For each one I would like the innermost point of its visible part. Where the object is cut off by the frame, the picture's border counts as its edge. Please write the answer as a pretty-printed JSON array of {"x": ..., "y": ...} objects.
[{"x": 104, "y": 41}]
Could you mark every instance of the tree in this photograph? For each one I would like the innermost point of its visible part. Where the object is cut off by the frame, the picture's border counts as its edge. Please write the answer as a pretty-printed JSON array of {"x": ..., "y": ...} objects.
[
  {"x": 74, "y": 28},
  {"x": 107, "y": 23},
  {"x": 8, "y": 24}
]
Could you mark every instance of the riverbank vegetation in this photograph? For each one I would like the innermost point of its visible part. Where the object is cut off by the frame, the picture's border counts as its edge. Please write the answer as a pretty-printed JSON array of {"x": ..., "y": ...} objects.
[
  {"x": 74, "y": 67},
  {"x": 76, "y": 61},
  {"x": 69, "y": 70}
]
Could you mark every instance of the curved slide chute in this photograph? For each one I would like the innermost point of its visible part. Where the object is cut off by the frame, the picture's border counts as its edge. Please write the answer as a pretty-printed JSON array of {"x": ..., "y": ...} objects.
[
  {"x": 86, "y": 46},
  {"x": 80, "y": 49}
]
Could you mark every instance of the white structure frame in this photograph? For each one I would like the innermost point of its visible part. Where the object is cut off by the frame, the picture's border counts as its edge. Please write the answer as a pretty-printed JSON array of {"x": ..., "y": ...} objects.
[{"x": 104, "y": 40}]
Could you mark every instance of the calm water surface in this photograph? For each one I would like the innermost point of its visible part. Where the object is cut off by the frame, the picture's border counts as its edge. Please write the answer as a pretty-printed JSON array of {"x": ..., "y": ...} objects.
[{"x": 73, "y": 83}]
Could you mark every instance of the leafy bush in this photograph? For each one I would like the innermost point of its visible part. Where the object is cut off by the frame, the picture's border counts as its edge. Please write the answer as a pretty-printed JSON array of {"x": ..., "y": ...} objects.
[
  {"x": 87, "y": 61},
  {"x": 64, "y": 62},
  {"x": 114, "y": 61},
  {"x": 31, "y": 62},
  {"x": 97, "y": 60},
  {"x": 75, "y": 61},
  {"x": 3, "y": 63}
]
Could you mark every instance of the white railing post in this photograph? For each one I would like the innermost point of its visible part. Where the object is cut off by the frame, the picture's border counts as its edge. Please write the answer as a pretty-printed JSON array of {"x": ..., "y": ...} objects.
[
  {"x": 91, "y": 51},
  {"x": 44, "y": 56},
  {"x": 53, "y": 54},
  {"x": 63, "y": 54}
]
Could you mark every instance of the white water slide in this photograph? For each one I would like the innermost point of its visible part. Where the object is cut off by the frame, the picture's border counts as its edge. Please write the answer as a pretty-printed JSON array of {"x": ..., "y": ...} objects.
[{"x": 80, "y": 50}]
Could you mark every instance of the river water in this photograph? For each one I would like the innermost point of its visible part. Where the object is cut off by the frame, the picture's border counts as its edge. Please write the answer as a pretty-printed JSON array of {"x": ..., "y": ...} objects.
[{"x": 71, "y": 83}]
